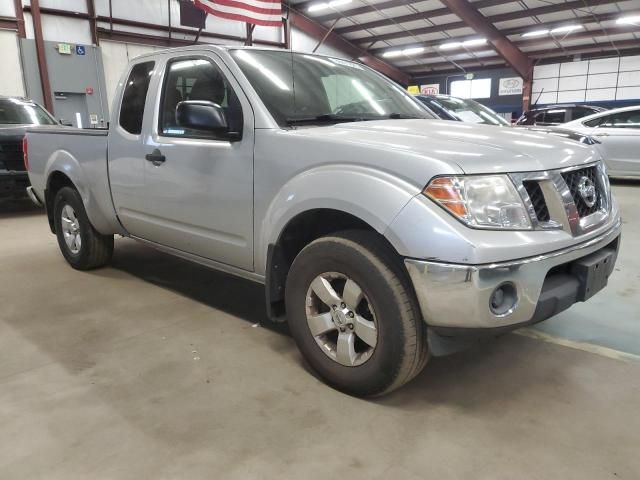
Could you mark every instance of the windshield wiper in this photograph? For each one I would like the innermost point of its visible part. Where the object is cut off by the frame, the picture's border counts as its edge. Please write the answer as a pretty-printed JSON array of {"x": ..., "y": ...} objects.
[
  {"x": 324, "y": 118},
  {"x": 402, "y": 116}
]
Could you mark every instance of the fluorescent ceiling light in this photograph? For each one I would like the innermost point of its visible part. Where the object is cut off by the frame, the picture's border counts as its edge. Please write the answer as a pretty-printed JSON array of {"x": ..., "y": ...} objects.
[
  {"x": 324, "y": 5},
  {"x": 474, "y": 42},
  {"x": 450, "y": 45},
  {"x": 406, "y": 51},
  {"x": 631, "y": 20},
  {"x": 413, "y": 51},
  {"x": 536, "y": 33},
  {"x": 567, "y": 28}
]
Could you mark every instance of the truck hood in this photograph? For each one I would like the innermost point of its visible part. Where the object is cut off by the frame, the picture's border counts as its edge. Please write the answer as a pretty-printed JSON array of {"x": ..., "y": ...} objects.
[{"x": 472, "y": 148}]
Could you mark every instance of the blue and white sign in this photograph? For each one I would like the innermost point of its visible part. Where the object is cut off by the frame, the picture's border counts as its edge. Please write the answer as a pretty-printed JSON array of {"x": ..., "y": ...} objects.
[{"x": 80, "y": 50}]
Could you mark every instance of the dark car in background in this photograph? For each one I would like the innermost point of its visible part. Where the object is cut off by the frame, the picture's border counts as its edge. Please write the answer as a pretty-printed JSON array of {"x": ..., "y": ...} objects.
[
  {"x": 16, "y": 115},
  {"x": 461, "y": 110},
  {"x": 556, "y": 114}
]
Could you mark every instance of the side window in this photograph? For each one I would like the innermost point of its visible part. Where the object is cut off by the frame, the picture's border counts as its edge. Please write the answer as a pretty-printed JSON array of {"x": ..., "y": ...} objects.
[
  {"x": 539, "y": 118},
  {"x": 624, "y": 120},
  {"x": 596, "y": 121},
  {"x": 196, "y": 79},
  {"x": 134, "y": 96},
  {"x": 579, "y": 112},
  {"x": 554, "y": 116}
]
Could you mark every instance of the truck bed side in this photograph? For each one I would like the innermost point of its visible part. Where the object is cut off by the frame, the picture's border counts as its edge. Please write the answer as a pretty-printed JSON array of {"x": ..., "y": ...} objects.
[{"x": 60, "y": 155}]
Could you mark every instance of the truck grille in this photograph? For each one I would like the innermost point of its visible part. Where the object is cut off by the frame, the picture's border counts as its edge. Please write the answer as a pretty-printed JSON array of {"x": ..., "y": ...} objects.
[
  {"x": 576, "y": 200},
  {"x": 537, "y": 200},
  {"x": 11, "y": 156},
  {"x": 573, "y": 179}
]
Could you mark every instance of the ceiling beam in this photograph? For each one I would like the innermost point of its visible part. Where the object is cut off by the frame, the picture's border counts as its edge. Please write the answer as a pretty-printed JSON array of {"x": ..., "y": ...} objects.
[
  {"x": 378, "y": 7},
  {"x": 503, "y": 17},
  {"x": 444, "y": 68},
  {"x": 318, "y": 31},
  {"x": 521, "y": 30},
  {"x": 427, "y": 15},
  {"x": 501, "y": 44},
  {"x": 520, "y": 42}
]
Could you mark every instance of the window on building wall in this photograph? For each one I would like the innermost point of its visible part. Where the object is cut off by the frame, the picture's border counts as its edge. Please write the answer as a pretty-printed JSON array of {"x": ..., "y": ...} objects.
[{"x": 477, "y": 88}]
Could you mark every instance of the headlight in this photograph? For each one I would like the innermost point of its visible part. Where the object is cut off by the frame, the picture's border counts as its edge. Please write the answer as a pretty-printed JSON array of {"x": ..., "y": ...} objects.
[{"x": 481, "y": 201}]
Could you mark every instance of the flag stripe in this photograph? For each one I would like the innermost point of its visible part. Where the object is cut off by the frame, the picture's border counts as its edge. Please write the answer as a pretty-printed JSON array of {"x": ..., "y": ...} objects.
[
  {"x": 242, "y": 11},
  {"x": 246, "y": 6},
  {"x": 258, "y": 12},
  {"x": 244, "y": 18}
]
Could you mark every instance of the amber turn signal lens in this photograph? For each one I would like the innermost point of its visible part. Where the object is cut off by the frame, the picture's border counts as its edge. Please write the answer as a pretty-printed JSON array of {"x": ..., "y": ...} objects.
[{"x": 444, "y": 191}]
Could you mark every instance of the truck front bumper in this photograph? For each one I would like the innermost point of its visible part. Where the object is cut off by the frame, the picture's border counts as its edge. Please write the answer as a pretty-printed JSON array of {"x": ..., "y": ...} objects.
[{"x": 460, "y": 299}]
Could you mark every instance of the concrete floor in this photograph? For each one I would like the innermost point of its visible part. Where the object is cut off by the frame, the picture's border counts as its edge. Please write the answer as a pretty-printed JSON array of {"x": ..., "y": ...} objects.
[{"x": 155, "y": 369}]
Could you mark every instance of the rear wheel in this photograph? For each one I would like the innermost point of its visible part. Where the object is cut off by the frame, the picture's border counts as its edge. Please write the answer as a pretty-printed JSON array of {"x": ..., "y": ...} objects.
[
  {"x": 82, "y": 246},
  {"x": 353, "y": 314}
]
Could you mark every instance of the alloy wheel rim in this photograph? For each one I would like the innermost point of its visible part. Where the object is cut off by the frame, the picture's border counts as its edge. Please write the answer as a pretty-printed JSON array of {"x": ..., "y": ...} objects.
[
  {"x": 71, "y": 229},
  {"x": 341, "y": 319}
]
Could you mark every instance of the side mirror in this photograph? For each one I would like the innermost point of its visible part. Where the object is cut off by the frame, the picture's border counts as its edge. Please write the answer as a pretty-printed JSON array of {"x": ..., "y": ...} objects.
[{"x": 203, "y": 115}]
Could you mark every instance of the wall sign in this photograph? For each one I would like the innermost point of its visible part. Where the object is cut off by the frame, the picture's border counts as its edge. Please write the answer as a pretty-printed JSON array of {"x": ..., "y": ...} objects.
[
  {"x": 64, "y": 48},
  {"x": 510, "y": 86},
  {"x": 80, "y": 50},
  {"x": 430, "y": 89}
]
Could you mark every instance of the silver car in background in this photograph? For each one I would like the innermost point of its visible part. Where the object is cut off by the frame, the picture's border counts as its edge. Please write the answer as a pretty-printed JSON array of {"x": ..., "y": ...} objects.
[{"x": 618, "y": 134}]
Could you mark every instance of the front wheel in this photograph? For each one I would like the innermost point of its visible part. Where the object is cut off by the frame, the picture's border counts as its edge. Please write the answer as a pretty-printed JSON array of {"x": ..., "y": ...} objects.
[
  {"x": 81, "y": 245},
  {"x": 353, "y": 314}
]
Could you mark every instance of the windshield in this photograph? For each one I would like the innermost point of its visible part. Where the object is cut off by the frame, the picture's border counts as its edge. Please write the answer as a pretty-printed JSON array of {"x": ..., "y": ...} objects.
[
  {"x": 299, "y": 88},
  {"x": 14, "y": 111},
  {"x": 467, "y": 110}
]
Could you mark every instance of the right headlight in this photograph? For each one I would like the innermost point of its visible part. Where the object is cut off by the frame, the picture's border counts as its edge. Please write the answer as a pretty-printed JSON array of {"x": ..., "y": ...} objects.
[{"x": 480, "y": 201}]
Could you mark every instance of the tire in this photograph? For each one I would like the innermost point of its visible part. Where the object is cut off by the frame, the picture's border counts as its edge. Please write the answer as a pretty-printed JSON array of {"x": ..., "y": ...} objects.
[
  {"x": 399, "y": 350},
  {"x": 93, "y": 250}
]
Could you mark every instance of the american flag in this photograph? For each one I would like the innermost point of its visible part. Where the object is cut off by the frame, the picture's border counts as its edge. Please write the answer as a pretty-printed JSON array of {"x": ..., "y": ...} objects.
[{"x": 257, "y": 12}]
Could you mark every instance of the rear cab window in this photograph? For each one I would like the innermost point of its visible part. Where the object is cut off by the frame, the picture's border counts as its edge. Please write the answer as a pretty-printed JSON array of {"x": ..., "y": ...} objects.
[{"x": 134, "y": 96}]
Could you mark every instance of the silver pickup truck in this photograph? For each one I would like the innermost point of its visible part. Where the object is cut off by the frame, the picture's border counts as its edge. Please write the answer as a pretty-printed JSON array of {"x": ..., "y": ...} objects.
[{"x": 382, "y": 235}]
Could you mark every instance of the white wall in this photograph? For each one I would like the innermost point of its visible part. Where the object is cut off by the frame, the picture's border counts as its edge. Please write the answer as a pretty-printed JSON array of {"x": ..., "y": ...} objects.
[
  {"x": 301, "y": 42},
  {"x": 11, "y": 77},
  {"x": 115, "y": 57},
  {"x": 602, "y": 79}
]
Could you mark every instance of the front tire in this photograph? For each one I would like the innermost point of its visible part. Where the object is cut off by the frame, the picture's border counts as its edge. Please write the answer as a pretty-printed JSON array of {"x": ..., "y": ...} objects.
[
  {"x": 353, "y": 314},
  {"x": 81, "y": 245}
]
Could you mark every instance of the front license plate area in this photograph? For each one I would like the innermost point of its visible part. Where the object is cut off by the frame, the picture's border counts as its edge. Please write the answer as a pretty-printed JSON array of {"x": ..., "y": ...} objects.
[{"x": 593, "y": 272}]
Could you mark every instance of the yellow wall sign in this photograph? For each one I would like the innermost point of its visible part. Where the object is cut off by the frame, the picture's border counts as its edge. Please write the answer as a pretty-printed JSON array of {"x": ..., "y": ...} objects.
[
  {"x": 413, "y": 89},
  {"x": 64, "y": 48}
]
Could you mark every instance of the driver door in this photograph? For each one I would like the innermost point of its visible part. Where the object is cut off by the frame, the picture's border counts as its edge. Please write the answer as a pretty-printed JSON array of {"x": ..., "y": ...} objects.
[{"x": 198, "y": 190}]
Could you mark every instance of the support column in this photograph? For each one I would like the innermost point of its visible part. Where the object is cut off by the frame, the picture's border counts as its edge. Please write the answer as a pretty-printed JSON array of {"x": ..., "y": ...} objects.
[
  {"x": 20, "y": 18},
  {"x": 527, "y": 88},
  {"x": 41, "y": 53},
  {"x": 91, "y": 11}
]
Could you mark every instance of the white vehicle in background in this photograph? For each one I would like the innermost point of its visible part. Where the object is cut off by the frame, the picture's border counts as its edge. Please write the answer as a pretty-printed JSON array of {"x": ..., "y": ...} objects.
[{"x": 618, "y": 132}]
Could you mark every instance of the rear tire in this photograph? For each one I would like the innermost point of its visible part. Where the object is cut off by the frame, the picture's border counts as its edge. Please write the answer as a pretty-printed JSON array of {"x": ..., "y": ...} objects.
[
  {"x": 81, "y": 245},
  {"x": 390, "y": 344}
]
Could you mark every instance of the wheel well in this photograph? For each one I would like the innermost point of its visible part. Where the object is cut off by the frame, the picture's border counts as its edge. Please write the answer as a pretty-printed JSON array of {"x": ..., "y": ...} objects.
[
  {"x": 57, "y": 180},
  {"x": 299, "y": 232}
]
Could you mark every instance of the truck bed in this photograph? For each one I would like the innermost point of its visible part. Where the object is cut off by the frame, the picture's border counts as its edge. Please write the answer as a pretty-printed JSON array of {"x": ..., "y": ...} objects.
[{"x": 79, "y": 156}]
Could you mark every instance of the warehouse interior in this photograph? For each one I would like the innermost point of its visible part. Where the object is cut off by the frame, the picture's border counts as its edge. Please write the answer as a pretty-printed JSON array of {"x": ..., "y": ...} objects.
[{"x": 159, "y": 367}]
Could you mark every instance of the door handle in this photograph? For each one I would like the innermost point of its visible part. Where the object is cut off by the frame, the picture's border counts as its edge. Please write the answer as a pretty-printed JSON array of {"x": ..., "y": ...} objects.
[{"x": 156, "y": 157}]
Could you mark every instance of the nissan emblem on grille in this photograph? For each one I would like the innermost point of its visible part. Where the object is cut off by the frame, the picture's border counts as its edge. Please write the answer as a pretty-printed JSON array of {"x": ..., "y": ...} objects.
[{"x": 587, "y": 190}]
